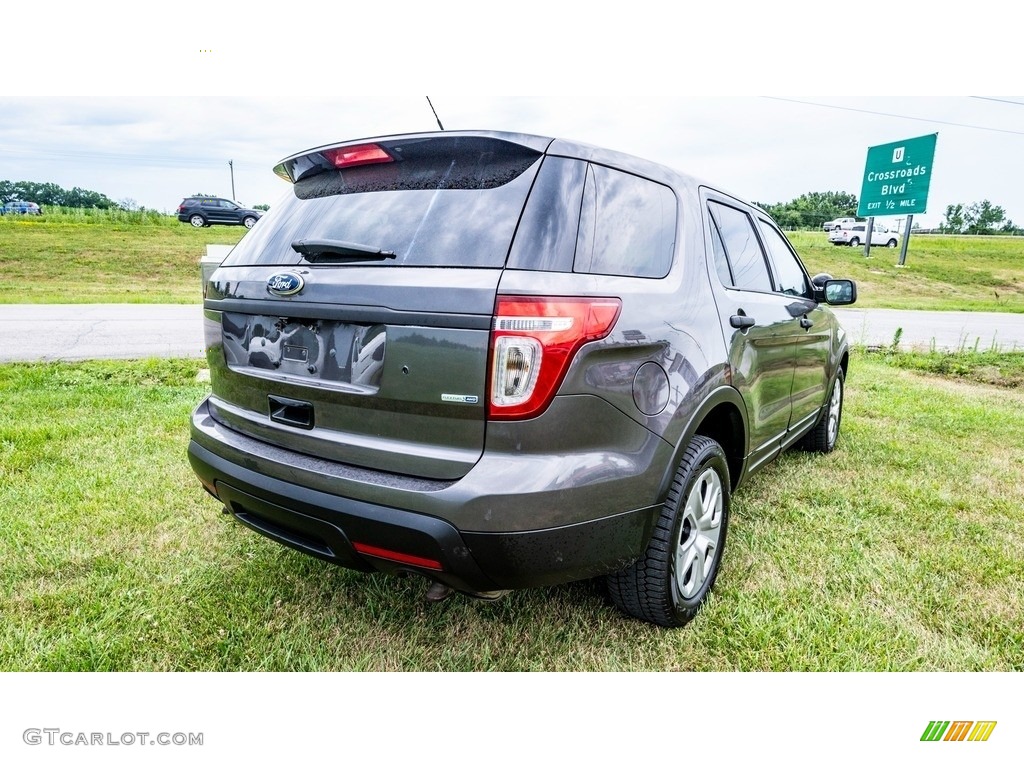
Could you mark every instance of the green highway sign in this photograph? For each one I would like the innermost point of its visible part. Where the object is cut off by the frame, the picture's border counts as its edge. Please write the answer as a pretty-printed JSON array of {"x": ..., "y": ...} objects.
[{"x": 896, "y": 177}]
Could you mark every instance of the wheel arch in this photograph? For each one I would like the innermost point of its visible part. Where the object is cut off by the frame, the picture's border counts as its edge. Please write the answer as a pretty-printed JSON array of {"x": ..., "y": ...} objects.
[{"x": 722, "y": 416}]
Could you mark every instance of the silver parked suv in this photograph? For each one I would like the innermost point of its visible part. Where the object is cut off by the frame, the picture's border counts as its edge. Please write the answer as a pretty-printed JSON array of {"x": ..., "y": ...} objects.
[{"x": 503, "y": 361}]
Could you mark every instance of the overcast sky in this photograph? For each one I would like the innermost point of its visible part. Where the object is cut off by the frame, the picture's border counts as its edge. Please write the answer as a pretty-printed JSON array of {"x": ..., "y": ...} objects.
[{"x": 154, "y": 111}]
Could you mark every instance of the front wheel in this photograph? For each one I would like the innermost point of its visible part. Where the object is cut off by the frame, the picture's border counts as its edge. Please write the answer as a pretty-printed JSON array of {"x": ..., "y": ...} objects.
[
  {"x": 891, "y": 244},
  {"x": 671, "y": 580},
  {"x": 249, "y": 221},
  {"x": 822, "y": 438}
]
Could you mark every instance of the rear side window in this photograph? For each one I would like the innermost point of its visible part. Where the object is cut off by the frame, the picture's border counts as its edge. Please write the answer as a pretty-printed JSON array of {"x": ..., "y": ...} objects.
[
  {"x": 546, "y": 238},
  {"x": 441, "y": 202},
  {"x": 627, "y": 225},
  {"x": 743, "y": 250}
]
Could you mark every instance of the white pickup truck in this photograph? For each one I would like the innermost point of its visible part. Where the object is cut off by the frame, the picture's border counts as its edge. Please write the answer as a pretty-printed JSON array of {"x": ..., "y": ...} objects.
[
  {"x": 853, "y": 234},
  {"x": 828, "y": 226}
]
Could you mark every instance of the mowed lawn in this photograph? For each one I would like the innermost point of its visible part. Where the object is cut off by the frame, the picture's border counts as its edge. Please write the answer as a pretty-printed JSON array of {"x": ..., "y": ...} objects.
[
  {"x": 902, "y": 550},
  {"x": 74, "y": 257},
  {"x": 104, "y": 257},
  {"x": 942, "y": 272}
]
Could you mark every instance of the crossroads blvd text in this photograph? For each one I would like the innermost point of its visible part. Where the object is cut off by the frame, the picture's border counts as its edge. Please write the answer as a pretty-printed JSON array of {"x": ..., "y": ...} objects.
[{"x": 895, "y": 189}]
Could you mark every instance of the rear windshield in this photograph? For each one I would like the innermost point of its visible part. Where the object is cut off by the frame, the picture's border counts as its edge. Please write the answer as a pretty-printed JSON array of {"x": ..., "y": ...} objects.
[{"x": 444, "y": 202}]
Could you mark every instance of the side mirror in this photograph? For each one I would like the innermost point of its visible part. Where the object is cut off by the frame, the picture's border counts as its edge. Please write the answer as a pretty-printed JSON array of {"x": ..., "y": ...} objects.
[
  {"x": 840, "y": 292},
  {"x": 820, "y": 279}
]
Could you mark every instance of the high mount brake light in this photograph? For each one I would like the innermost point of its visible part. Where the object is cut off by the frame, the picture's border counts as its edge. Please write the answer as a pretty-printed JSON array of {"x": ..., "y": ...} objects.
[
  {"x": 336, "y": 157},
  {"x": 362, "y": 154},
  {"x": 532, "y": 343}
]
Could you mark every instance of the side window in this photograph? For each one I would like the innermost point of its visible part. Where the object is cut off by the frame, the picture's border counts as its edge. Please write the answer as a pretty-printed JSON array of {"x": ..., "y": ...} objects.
[
  {"x": 743, "y": 250},
  {"x": 546, "y": 237},
  {"x": 721, "y": 259},
  {"x": 627, "y": 225},
  {"x": 790, "y": 277}
]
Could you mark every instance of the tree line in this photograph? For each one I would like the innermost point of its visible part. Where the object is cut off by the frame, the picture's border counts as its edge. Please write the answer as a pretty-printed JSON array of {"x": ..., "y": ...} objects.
[
  {"x": 812, "y": 209},
  {"x": 53, "y": 194}
]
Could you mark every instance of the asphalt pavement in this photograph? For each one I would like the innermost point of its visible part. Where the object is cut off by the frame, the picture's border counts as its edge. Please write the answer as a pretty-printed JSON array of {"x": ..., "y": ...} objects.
[
  {"x": 948, "y": 331},
  {"x": 39, "y": 332}
]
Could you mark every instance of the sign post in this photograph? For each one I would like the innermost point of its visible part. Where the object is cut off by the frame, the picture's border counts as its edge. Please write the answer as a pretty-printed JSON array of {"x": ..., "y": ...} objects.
[
  {"x": 896, "y": 180},
  {"x": 906, "y": 239}
]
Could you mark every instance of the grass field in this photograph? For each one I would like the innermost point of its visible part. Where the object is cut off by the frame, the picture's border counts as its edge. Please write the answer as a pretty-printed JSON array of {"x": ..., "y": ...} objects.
[
  {"x": 77, "y": 257},
  {"x": 943, "y": 272},
  {"x": 80, "y": 257},
  {"x": 903, "y": 550}
]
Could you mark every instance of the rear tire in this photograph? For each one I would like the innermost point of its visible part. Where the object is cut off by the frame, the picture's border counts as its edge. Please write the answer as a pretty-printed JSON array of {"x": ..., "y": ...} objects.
[
  {"x": 671, "y": 580},
  {"x": 197, "y": 221},
  {"x": 854, "y": 242},
  {"x": 822, "y": 438}
]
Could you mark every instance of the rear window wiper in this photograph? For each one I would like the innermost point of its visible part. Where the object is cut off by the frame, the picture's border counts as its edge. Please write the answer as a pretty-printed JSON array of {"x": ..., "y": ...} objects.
[{"x": 339, "y": 251}]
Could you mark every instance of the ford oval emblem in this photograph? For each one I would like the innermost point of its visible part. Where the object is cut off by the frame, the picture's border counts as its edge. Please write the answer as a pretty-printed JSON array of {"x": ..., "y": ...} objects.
[{"x": 285, "y": 284}]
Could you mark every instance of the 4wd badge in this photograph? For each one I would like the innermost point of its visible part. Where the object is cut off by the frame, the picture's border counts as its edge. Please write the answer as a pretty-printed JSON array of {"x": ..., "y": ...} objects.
[{"x": 285, "y": 284}]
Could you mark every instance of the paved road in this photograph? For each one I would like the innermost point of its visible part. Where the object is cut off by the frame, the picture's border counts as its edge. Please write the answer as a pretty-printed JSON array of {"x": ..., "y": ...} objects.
[
  {"x": 99, "y": 331},
  {"x": 131, "y": 331},
  {"x": 941, "y": 330}
]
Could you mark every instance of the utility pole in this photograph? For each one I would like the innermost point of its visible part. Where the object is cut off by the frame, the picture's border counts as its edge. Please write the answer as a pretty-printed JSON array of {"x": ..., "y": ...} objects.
[{"x": 231, "y": 165}]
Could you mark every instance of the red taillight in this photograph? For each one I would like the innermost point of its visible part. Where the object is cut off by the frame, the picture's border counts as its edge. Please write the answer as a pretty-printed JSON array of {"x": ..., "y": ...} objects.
[
  {"x": 362, "y": 154},
  {"x": 532, "y": 343},
  {"x": 397, "y": 557}
]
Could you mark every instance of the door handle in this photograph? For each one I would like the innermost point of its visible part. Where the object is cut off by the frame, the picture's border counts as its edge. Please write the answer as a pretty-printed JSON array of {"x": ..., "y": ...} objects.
[
  {"x": 805, "y": 322},
  {"x": 741, "y": 321}
]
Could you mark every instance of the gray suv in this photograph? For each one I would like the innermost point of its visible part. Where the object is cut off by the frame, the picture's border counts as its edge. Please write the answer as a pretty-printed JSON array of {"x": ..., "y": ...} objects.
[
  {"x": 503, "y": 361},
  {"x": 201, "y": 211}
]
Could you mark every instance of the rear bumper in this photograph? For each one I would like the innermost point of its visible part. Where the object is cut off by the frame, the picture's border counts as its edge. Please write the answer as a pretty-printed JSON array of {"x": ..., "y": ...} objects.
[{"x": 271, "y": 494}]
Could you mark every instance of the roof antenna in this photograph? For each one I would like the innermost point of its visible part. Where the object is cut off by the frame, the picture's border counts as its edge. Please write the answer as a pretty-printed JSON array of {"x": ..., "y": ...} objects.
[{"x": 435, "y": 113}]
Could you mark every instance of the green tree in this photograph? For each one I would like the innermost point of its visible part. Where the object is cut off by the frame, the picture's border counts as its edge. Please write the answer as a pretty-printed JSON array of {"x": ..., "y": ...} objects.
[
  {"x": 953, "y": 223},
  {"x": 979, "y": 218},
  {"x": 53, "y": 194},
  {"x": 812, "y": 209},
  {"x": 984, "y": 218}
]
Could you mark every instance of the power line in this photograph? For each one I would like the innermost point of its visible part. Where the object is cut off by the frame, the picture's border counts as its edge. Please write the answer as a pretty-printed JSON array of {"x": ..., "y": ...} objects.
[
  {"x": 1004, "y": 101},
  {"x": 902, "y": 117}
]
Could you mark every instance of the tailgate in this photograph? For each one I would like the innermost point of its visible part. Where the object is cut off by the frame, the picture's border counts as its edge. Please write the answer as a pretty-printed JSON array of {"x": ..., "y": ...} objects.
[{"x": 382, "y": 376}]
